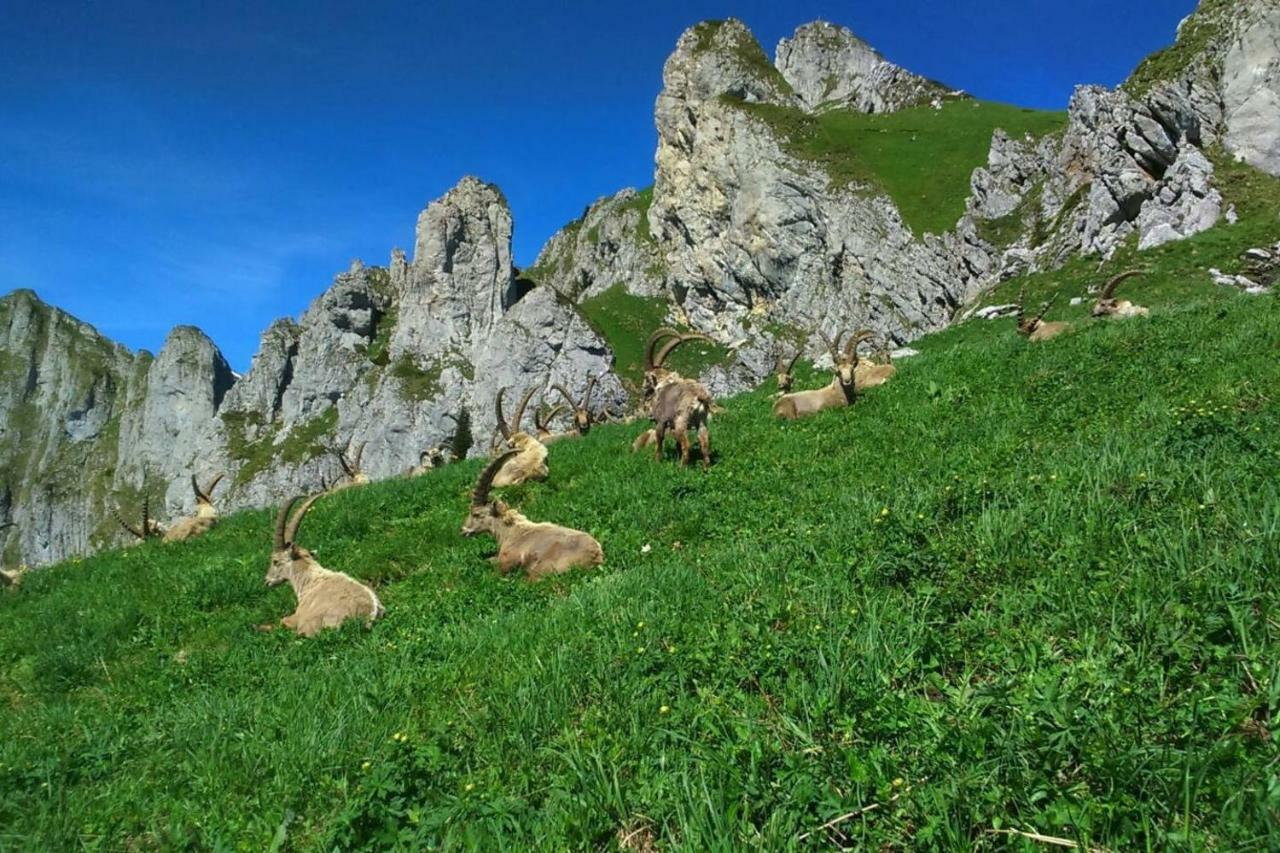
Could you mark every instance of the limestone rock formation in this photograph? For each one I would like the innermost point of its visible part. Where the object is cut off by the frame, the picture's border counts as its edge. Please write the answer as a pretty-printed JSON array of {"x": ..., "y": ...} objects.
[{"x": 828, "y": 66}]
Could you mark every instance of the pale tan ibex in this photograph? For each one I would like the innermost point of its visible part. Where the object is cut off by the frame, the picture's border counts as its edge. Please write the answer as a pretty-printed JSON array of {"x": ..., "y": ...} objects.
[
  {"x": 204, "y": 519},
  {"x": 1036, "y": 330},
  {"x": 538, "y": 548},
  {"x": 873, "y": 374},
  {"x": 150, "y": 528},
  {"x": 530, "y": 460},
  {"x": 429, "y": 460},
  {"x": 582, "y": 417},
  {"x": 1107, "y": 304},
  {"x": 841, "y": 392},
  {"x": 326, "y": 599},
  {"x": 675, "y": 403},
  {"x": 12, "y": 577},
  {"x": 783, "y": 371},
  {"x": 351, "y": 468}
]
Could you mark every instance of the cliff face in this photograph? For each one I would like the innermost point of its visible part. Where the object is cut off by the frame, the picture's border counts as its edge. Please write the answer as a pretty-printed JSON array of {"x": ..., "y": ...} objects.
[{"x": 744, "y": 235}]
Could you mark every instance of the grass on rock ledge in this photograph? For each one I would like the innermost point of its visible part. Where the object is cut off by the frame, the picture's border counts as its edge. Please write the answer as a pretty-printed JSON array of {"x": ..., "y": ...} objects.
[{"x": 1019, "y": 587}]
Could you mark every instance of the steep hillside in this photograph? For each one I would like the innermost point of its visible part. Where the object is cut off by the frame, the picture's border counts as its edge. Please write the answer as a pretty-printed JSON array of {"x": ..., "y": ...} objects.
[{"x": 1017, "y": 589}]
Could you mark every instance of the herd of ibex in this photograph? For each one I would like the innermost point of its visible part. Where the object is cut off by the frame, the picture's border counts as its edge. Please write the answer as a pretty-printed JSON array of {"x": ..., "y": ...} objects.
[{"x": 673, "y": 403}]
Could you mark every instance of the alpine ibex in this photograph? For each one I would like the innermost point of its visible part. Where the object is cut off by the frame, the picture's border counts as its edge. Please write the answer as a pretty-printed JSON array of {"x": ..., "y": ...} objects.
[
  {"x": 530, "y": 460},
  {"x": 538, "y": 548},
  {"x": 326, "y": 599},
  {"x": 582, "y": 418},
  {"x": 1107, "y": 304},
  {"x": 783, "y": 371},
  {"x": 1037, "y": 329},
  {"x": 204, "y": 519},
  {"x": 842, "y": 391},
  {"x": 873, "y": 374},
  {"x": 12, "y": 578},
  {"x": 354, "y": 474},
  {"x": 150, "y": 528},
  {"x": 429, "y": 460},
  {"x": 542, "y": 425},
  {"x": 676, "y": 403}
]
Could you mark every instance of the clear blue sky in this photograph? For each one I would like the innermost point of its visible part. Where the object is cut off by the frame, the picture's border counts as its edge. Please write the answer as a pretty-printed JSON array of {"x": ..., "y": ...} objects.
[{"x": 214, "y": 163}]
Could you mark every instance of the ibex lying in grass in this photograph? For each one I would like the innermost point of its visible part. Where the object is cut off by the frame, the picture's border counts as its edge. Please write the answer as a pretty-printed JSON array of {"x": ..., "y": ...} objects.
[
  {"x": 538, "y": 548},
  {"x": 204, "y": 519},
  {"x": 783, "y": 372},
  {"x": 530, "y": 459},
  {"x": 842, "y": 391},
  {"x": 150, "y": 528},
  {"x": 1107, "y": 304},
  {"x": 873, "y": 374},
  {"x": 1037, "y": 329},
  {"x": 582, "y": 418},
  {"x": 326, "y": 599},
  {"x": 12, "y": 578},
  {"x": 429, "y": 460},
  {"x": 351, "y": 470},
  {"x": 676, "y": 403}
]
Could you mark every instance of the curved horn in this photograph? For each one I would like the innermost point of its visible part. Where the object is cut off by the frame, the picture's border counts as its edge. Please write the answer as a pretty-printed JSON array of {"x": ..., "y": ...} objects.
[
  {"x": 502, "y": 420},
  {"x": 1044, "y": 309},
  {"x": 201, "y": 497},
  {"x": 524, "y": 402},
  {"x": 551, "y": 415},
  {"x": 278, "y": 541},
  {"x": 342, "y": 460},
  {"x": 591, "y": 386},
  {"x": 1109, "y": 289},
  {"x": 791, "y": 365},
  {"x": 669, "y": 346},
  {"x": 851, "y": 348},
  {"x": 480, "y": 495},
  {"x": 291, "y": 530},
  {"x": 660, "y": 335},
  {"x": 359, "y": 457},
  {"x": 146, "y": 516},
  {"x": 564, "y": 392},
  {"x": 126, "y": 525},
  {"x": 213, "y": 484}
]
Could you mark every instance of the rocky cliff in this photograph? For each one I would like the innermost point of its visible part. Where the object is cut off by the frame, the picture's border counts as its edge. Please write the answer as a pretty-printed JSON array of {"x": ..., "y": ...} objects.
[{"x": 764, "y": 222}]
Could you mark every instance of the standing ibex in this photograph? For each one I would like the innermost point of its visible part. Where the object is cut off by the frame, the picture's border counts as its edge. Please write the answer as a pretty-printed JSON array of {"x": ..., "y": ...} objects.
[
  {"x": 1037, "y": 330},
  {"x": 1107, "y": 304},
  {"x": 530, "y": 460},
  {"x": 676, "y": 403},
  {"x": 841, "y": 392},
  {"x": 355, "y": 475},
  {"x": 326, "y": 599},
  {"x": 582, "y": 418},
  {"x": 149, "y": 529},
  {"x": 540, "y": 549},
  {"x": 204, "y": 519}
]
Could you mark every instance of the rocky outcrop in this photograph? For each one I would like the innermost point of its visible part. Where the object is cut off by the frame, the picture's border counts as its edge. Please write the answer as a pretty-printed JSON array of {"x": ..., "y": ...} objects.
[{"x": 829, "y": 67}]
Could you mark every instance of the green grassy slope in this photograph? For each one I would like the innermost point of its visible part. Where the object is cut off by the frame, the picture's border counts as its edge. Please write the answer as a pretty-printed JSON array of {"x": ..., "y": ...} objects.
[
  {"x": 921, "y": 158},
  {"x": 1026, "y": 587}
]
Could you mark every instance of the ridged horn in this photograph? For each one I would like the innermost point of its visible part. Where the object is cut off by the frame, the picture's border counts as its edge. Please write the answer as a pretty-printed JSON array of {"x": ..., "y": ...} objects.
[
  {"x": 502, "y": 420},
  {"x": 291, "y": 530},
  {"x": 660, "y": 335},
  {"x": 278, "y": 541},
  {"x": 1109, "y": 289},
  {"x": 669, "y": 346},
  {"x": 480, "y": 495},
  {"x": 524, "y": 402}
]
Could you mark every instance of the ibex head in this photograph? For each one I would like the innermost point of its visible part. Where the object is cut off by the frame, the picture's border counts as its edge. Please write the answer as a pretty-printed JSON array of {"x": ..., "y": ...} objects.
[
  {"x": 655, "y": 357},
  {"x": 485, "y": 513},
  {"x": 1107, "y": 302},
  {"x": 784, "y": 368},
  {"x": 510, "y": 429},
  {"x": 582, "y": 408},
  {"x": 284, "y": 550}
]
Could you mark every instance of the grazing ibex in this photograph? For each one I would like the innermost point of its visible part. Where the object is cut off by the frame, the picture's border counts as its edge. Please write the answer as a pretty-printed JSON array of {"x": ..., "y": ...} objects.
[
  {"x": 1036, "y": 330},
  {"x": 842, "y": 391},
  {"x": 1107, "y": 304},
  {"x": 530, "y": 460},
  {"x": 582, "y": 418},
  {"x": 204, "y": 519},
  {"x": 354, "y": 474},
  {"x": 538, "y": 548},
  {"x": 326, "y": 599},
  {"x": 429, "y": 460},
  {"x": 676, "y": 403},
  {"x": 149, "y": 529}
]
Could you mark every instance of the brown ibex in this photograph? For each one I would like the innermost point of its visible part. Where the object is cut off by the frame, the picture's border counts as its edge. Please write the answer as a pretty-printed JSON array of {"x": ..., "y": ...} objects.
[
  {"x": 842, "y": 391},
  {"x": 676, "y": 403},
  {"x": 1107, "y": 304},
  {"x": 429, "y": 460},
  {"x": 530, "y": 460},
  {"x": 1036, "y": 330},
  {"x": 582, "y": 418},
  {"x": 326, "y": 599},
  {"x": 204, "y": 519},
  {"x": 150, "y": 528},
  {"x": 540, "y": 549},
  {"x": 351, "y": 468}
]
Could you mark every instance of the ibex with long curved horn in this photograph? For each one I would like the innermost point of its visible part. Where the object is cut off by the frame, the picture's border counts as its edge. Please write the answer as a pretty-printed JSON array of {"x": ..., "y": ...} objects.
[
  {"x": 540, "y": 549},
  {"x": 783, "y": 371},
  {"x": 204, "y": 519},
  {"x": 841, "y": 392},
  {"x": 873, "y": 374},
  {"x": 1036, "y": 330},
  {"x": 530, "y": 460},
  {"x": 351, "y": 468},
  {"x": 675, "y": 403},
  {"x": 149, "y": 529},
  {"x": 582, "y": 417},
  {"x": 1107, "y": 304},
  {"x": 542, "y": 425},
  {"x": 326, "y": 599}
]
